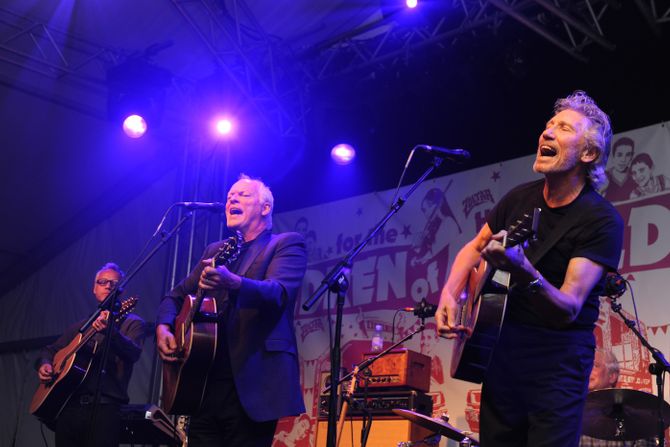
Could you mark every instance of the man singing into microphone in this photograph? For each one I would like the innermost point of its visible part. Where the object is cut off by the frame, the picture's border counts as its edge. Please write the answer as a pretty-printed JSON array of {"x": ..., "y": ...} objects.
[
  {"x": 535, "y": 387},
  {"x": 255, "y": 377}
]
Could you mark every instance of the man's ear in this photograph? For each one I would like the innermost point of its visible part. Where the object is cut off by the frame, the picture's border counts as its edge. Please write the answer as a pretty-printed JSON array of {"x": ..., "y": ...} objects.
[
  {"x": 589, "y": 155},
  {"x": 265, "y": 209}
]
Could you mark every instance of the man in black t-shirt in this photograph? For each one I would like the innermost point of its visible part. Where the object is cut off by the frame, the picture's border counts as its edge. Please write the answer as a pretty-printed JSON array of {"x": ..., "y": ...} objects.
[{"x": 535, "y": 386}]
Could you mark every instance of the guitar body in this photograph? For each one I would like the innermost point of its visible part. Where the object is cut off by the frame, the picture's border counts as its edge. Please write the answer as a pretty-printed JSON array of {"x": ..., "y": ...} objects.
[
  {"x": 484, "y": 309},
  {"x": 483, "y": 313},
  {"x": 184, "y": 381},
  {"x": 71, "y": 365}
]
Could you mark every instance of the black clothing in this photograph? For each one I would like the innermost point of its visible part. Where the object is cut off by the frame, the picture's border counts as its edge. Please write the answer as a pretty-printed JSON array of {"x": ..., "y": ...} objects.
[
  {"x": 222, "y": 420},
  {"x": 72, "y": 425},
  {"x": 534, "y": 389},
  {"x": 256, "y": 361},
  {"x": 125, "y": 350},
  {"x": 597, "y": 235}
]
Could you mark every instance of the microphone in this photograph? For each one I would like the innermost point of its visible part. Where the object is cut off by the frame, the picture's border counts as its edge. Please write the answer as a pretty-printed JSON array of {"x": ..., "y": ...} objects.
[
  {"x": 216, "y": 207},
  {"x": 452, "y": 154},
  {"x": 424, "y": 309},
  {"x": 615, "y": 285}
]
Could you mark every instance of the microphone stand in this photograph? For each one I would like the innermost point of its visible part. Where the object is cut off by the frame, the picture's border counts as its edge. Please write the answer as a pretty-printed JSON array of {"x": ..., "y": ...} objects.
[
  {"x": 336, "y": 282},
  {"x": 110, "y": 303},
  {"x": 657, "y": 369},
  {"x": 363, "y": 366}
]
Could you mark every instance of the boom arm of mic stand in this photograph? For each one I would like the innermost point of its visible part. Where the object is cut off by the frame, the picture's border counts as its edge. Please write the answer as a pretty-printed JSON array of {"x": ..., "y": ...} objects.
[
  {"x": 338, "y": 271},
  {"x": 108, "y": 302}
]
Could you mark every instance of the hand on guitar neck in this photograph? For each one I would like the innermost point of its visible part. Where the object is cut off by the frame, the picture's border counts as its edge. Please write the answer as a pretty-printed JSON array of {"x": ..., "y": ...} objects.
[
  {"x": 214, "y": 276},
  {"x": 509, "y": 259},
  {"x": 218, "y": 278}
]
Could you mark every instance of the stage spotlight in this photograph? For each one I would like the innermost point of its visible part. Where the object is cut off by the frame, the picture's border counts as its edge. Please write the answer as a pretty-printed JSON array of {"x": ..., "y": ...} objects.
[
  {"x": 397, "y": 9},
  {"x": 224, "y": 126},
  {"x": 343, "y": 154},
  {"x": 134, "y": 126},
  {"x": 137, "y": 87}
]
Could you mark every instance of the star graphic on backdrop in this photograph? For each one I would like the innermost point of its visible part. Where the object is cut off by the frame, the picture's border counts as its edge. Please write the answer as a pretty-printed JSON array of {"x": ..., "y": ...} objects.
[
  {"x": 359, "y": 212},
  {"x": 495, "y": 176},
  {"x": 406, "y": 231}
]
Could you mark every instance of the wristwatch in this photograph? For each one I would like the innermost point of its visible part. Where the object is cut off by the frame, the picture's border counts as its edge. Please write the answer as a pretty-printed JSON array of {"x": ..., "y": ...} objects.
[{"x": 535, "y": 285}]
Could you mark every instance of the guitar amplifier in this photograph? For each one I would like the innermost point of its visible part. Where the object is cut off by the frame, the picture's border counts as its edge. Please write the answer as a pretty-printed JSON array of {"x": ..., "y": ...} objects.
[
  {"x": 382, "y": 403},
  {"x": 400, "y": 369}
]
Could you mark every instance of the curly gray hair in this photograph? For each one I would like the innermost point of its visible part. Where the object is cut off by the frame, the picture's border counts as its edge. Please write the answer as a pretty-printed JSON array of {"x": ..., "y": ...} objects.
[{"x": 598, "y": 136}]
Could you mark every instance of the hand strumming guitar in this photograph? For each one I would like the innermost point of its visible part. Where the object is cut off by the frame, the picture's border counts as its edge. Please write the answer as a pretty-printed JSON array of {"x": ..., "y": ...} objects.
[{"x": 166, "y": 343}]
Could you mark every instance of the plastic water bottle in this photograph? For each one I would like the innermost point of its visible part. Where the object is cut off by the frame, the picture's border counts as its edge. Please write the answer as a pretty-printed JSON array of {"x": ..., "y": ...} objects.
[{"x": 377, "y": 339}]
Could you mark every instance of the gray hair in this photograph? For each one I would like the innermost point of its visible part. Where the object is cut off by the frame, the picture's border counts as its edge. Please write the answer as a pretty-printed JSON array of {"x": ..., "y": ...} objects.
[
  {"x": 611, "y": 362},
  {"x": 265, "y": 193},
  {"x": 111, "y": 266},
  {"x": 598, "y": 135}
]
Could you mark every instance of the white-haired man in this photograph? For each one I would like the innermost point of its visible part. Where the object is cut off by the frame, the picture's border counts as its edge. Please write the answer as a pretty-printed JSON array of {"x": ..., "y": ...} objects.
[
  {"x": 255, "y": 379},
  {"x": 535, "y": 387},
  {"x": 605, "y": 374}
]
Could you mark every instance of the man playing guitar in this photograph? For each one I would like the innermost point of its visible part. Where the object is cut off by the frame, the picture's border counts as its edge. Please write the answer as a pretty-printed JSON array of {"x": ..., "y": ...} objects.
[
  {"x": 73, "y": 422},
  {"x": 536, "y": 382},
  {"x": 254, "y": 379}
]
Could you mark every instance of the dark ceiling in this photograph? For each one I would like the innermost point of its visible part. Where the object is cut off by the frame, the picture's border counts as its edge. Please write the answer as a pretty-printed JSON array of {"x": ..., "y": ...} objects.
[{"x": 487, "y": 88}]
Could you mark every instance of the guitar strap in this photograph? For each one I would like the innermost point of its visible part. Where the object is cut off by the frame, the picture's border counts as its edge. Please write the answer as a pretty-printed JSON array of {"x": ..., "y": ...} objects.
[{"x": 570, "y": 220}]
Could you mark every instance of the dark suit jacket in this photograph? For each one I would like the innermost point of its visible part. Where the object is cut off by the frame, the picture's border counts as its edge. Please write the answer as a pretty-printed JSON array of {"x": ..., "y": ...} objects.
[{"x": 259, "y": 326}]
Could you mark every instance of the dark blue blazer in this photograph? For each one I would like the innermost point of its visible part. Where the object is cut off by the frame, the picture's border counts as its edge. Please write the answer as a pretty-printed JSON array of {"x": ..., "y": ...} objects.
[{"x": 259, "y": 326}]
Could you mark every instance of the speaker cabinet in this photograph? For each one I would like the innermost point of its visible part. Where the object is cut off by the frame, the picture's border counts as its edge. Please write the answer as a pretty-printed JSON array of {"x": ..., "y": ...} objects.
[{"x": 385, "y": 432}]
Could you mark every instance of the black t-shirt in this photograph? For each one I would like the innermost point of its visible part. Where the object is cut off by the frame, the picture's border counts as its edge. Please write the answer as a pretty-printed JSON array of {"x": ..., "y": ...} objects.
[{"x": 597, "y": 234}]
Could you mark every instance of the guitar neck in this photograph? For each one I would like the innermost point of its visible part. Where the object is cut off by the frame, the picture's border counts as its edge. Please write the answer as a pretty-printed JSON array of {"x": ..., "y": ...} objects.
[
  {"x": 90, "y": 331},
  {"x": 224, "y": 259},
  {"x": 87, "y": 335}
]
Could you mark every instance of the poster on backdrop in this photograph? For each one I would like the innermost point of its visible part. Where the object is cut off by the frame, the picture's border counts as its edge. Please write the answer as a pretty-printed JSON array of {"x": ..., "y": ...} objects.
[{"x": 409, "y": 260}]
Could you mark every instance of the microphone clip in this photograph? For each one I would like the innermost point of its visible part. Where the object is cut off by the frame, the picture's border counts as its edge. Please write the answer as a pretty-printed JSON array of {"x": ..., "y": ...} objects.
[{"x": 615, "y": 285}]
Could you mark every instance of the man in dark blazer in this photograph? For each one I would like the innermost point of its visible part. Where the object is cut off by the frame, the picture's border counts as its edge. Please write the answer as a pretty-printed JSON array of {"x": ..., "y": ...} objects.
[{"x": 255, "y": 377}]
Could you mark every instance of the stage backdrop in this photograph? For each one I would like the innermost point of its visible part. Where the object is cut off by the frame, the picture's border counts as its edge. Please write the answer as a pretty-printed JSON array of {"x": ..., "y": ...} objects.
[
  {"x": 407, "y": 261},
  {"x": 410, "y": 257}
]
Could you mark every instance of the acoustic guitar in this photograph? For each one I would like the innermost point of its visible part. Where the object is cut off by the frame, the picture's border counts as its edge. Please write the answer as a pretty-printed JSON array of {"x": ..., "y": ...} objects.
[
  {"x": 195, "y": 332},
  {"x": 483, "y": 310},
  {"x": 71, "y": 365}
]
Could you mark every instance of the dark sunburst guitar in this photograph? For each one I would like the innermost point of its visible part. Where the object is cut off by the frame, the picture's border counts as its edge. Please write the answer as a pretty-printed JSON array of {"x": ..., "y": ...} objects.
[
  {"x": 195, "y": 332},
  {"x": 71, "y": 365},
  {"x": 483, "y": 310}
]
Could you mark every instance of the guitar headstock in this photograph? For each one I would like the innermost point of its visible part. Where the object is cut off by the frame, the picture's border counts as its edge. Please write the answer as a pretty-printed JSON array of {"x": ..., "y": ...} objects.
[
  {"x": 125, "y": 307},
  {"x": 523, "y": 229},
  {"x": 229, "y": 251}
]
